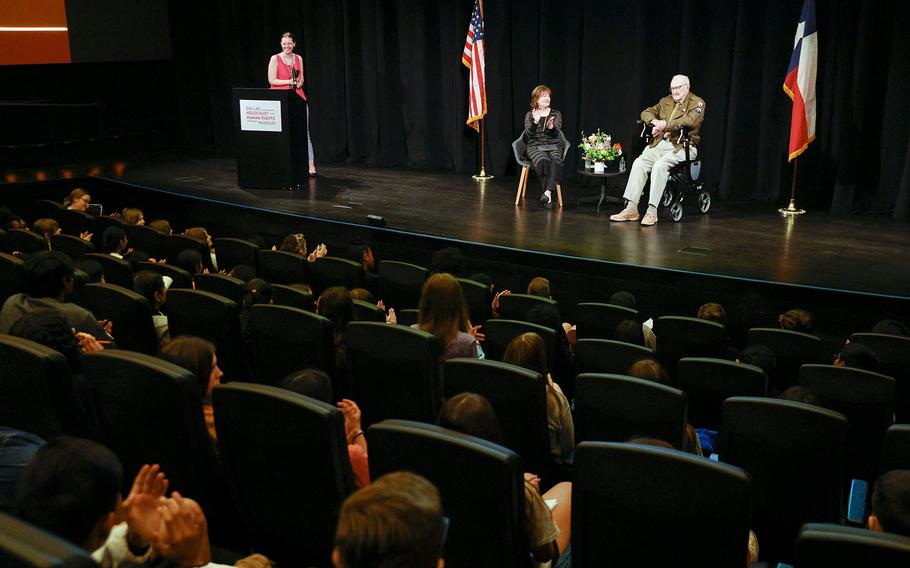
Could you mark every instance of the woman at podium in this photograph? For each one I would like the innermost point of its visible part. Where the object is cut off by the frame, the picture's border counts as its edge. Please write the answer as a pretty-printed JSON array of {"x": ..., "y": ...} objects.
[{"x": 285, "y": 72}]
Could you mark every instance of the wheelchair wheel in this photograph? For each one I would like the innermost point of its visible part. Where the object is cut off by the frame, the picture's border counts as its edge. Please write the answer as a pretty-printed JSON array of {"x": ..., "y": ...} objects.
[
  {"x": 667, "y": 198},
  {"x": 676, "y": 211},
  {"x": 704, "y": 201}
]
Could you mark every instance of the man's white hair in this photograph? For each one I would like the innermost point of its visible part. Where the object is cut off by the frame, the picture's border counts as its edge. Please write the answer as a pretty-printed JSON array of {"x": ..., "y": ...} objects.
[{"x": 683, "y": 77}]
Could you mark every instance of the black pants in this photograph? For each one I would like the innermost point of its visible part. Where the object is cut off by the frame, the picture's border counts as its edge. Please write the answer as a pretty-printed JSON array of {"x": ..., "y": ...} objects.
[{"x": 549, "y": 173}]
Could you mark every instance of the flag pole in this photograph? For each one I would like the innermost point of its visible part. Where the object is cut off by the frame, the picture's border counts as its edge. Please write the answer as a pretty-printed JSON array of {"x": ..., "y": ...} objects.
[
  {"x": 791, "y": 210},
  {"x": 482, "y": 176}
]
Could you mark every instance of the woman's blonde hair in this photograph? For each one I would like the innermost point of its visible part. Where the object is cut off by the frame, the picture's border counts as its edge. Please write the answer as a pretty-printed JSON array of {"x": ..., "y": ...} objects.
[
  {"x": 131, "y": 215},
  {"x": 442, "y": 308},
  {"x": 289, "y": 35},
  {"x": 538, "y": 91},
  {"x": 74, "y": 195}
]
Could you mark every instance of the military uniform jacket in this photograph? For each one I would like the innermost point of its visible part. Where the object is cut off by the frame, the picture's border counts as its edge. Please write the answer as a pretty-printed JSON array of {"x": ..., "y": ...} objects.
[{"x": 690, "y": 115}]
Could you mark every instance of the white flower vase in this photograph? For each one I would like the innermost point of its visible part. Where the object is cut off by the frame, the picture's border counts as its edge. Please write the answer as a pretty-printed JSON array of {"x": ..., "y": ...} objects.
[{"x": 598, "y": 167}]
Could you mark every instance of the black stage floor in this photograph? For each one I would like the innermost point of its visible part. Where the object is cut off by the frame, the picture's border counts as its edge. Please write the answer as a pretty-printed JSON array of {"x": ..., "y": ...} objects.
[{"x": 861, "y": 253}]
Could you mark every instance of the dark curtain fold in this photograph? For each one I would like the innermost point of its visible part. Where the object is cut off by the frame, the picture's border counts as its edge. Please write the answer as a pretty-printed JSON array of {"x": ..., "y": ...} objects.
[{"x": 387, "y": 86}]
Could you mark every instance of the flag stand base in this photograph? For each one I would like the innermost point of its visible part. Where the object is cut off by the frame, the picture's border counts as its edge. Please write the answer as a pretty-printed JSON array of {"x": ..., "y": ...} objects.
[
  {"x": 791, "y": 210},
  {"x": 482, "y": 176}
]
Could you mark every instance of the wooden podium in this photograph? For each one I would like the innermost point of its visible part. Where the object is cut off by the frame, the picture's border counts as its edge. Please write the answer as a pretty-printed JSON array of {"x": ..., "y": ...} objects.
[{"x": 271, "y": 132}]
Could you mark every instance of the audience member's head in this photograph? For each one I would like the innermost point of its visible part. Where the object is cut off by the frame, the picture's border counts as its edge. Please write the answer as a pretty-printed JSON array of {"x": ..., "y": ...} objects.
[
  {"x": 46, "y": 227},
  {"x": 799, "y": 393},
  {"x": 77, "y": 200},
  {"x": 363, "y": 295},
  {"x": 713, "y": 312},
  {"x": 887, "y": 326},
  {"x": 71, "y": 487},
  {"x": 629, "y": 331},
  {"x": 163, "y": 226},
  {"x": 449, "y": 260},
  {"x": 257, "y": 240},
  {"x": 361, "y": 252},
  {"x": 442, "y": 309},
  {"x": 336, "y": 305},
  {"x": 539, "y": 286},
  {"x": 857, "y": 356},
  {"x": 395, "y": 521},
  {"x": 546, "y": 315},
  {"x": 891, "y": 503},
  {"x": 133, "y": 216},
  {"x": 796, "y": 320},
  {"x": 313, "y": 383},
  {"x": 243, "y": 272},
  {"x": 93, "y": 270},
  {"x": 529, "y": 351},
  {"x": 189, "y": 260},
  {"x": 200, "y": 234},
  {"x": 760, "y": 356},
  {"x": 295, "y": 243},
  {"x": 48, "y": 327},
  {"x": 152, "y": 287},
  {"x": 471, "y": 414},
  {"x": 257, "y": 291},
  {"x": 624, "y": 299},
  {"x": 113, "y": 240},
  {"x": 48, "y": 274},
  {"x": 650, "y": 370},
  {"x": 196, "y": 355},
  {"x": 9, "y": 220}
]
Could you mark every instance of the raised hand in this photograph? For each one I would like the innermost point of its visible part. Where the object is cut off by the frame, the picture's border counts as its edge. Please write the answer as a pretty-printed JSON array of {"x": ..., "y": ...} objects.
[
  {"x": 140, "y": 509},
  {"x": 183, "y": 535}
]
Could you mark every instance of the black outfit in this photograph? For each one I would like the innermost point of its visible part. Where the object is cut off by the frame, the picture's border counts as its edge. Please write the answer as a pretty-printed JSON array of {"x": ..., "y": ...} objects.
[{"x": 543, "y": 148}]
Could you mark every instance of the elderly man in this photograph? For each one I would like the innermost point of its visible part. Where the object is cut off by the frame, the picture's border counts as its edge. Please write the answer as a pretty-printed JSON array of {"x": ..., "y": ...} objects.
[{"x": 682, "y": 109}]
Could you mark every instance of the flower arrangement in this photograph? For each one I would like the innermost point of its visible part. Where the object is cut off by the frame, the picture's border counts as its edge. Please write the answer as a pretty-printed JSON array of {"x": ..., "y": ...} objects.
[{"x": 599, "y": 147}]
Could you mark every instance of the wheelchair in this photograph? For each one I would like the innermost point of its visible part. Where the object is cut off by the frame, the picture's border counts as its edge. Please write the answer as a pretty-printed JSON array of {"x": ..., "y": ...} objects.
[{"x": 684, "y": 184}]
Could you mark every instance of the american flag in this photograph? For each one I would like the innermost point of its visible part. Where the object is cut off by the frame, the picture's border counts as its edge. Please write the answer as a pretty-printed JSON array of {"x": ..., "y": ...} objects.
[{"x": 473, "y": 58}]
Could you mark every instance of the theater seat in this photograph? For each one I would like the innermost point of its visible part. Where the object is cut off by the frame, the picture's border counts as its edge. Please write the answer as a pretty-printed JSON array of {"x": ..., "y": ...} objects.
[
  {"x": 824, "y": 545},
  {"x": 26, "y": 546},
  {"x": 480, "y": 484},
  {"x": 288, "y": 339}
]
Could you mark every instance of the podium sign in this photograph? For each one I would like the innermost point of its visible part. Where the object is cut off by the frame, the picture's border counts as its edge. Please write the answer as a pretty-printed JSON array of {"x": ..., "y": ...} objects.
[{"x": 271, "y": 133}]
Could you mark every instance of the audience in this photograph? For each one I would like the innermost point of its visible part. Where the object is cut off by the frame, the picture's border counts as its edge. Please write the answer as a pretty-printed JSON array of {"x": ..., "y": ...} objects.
[
  {"x": 153, "y": 287},
  {"x": 77, "y": 200},
  {"x": 797, "y": 320},
  {"x": 448, "y": 260},
  {"x": 442, "y": 312},
  {"x": 71, "y": 487},
  {"x": 317, "y": 384},
  {"x": 759, "y": 356},
  {"x": 198, "y": 356},
  {"x": 336, "y": 305},
  {"x": 649, "y": 370},
  {"x": 132, "y": 216},
  {"x": 49, "y": 328},
  {"x": 163, "y": 226},
  {"x": 539, "y": 286},
  {"x": 624, "y": 299},
  {"x": 48, "y": 279},
  {"x": 629, "y": 331},
  {"x": 857, "y": 356},
  {"x": 549, "y": 532},
  {"x": 201, "y": 235},
  {"x": 891, "y": 327},
  {"x": 528, "y": 351},
  {"x": 713, "y": 312},
  {"x": 891, "y": 503},
  {"x": 396, "y": 521}
]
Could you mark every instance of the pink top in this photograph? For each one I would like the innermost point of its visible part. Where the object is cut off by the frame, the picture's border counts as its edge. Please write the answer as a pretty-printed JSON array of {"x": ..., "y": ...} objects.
[{"x": 283, "y": 72}]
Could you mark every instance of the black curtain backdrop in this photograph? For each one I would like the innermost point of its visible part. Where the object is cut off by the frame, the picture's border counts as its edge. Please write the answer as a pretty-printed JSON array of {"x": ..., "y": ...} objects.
[{"x": 387, "y": 86}]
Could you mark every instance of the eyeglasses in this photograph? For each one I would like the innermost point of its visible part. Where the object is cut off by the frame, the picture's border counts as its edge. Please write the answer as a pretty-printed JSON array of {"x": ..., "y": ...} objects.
[{"x": 678, "y": 87}]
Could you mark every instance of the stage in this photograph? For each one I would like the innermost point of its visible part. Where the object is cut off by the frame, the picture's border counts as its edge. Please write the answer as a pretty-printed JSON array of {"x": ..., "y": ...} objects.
[{"x": 747, "y": 240}]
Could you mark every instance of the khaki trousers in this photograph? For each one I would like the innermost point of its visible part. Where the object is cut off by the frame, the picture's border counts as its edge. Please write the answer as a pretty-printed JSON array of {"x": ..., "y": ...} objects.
[{"x": 656, "y": 161}]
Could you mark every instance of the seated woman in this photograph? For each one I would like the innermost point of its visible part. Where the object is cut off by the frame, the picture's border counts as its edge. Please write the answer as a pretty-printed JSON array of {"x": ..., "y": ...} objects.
[
  {"x": 549, "y": 531},
  {"x": 198, "y": 356},
  {"x": 314, "y": 383},
  {"x": 541, "y": 135},
  {"x": 442, "y": 312},
  {"x": 77, "y": 200},
  {"x": 528, "y": 351},
  {"x": 203, "y": 236}
]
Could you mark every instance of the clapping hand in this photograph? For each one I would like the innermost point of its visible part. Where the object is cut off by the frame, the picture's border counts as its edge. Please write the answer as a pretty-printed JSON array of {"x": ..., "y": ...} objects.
[
  {"x": 87, "y": 343},
  {"x": 183, "y": 535},
  {"x": 140, "y": 509}
]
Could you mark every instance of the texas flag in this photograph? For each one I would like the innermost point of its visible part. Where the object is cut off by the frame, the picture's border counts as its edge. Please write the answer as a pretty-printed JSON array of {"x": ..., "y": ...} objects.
[{"x": 800, "y": 81}]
